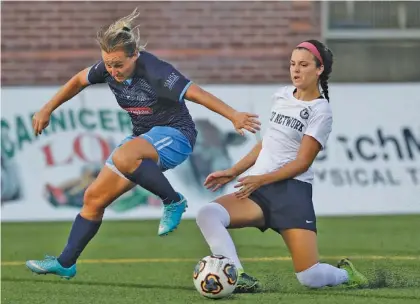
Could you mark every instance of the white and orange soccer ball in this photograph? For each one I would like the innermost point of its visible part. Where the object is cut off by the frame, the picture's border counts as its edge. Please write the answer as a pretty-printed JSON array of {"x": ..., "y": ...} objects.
[{"x": 215, "y": 276}]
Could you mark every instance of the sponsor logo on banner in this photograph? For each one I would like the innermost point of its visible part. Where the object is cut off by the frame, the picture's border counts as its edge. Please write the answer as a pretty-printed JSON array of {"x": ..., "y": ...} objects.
[{"x": 370, "y": 158}]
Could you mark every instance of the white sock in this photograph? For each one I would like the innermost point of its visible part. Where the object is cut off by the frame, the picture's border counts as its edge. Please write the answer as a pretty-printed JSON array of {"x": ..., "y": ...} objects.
[
  {"x": 321, "y": 275},
  {"x": 212, "y": 219}
]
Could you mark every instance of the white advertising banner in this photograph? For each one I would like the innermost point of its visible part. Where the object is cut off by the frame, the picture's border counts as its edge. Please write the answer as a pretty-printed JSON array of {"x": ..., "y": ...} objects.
[{"x": 371, "y": 164}]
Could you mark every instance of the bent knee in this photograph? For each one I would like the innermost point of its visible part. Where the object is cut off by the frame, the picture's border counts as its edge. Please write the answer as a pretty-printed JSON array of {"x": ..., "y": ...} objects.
[
  {"x": 94, "y": 200},
  {"x": 124, "y": 162},
  {"x": 212, "y": 212}
]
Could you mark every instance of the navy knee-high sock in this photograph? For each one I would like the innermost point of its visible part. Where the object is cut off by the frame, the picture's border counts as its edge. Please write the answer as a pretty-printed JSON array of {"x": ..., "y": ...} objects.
[
  {"x": 149, "y": 176},
  {"x": 81, "y": 233}
]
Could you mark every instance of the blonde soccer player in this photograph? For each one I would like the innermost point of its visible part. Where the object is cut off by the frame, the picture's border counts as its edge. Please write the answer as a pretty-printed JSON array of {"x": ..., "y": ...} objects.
[
  {"x": 277, "y": 192},
  {"x": 153, "y": 93}
]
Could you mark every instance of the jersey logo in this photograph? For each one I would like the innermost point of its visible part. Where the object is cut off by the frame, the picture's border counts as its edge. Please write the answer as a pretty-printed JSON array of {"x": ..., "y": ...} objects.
[
  {"x": 170, "y": 82},
  {"x": 140, "y": 110},
  {"x": 304, "y": 113},
  {"x": 287, "y": 121}
]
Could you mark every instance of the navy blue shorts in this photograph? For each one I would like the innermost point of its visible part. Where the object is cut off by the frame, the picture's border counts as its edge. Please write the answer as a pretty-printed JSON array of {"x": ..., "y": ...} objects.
[{"x": 286, "y": 204}]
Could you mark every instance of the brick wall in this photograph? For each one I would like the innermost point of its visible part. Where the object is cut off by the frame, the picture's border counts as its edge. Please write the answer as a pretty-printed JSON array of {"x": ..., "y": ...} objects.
[{"x": 45, "y": 43}]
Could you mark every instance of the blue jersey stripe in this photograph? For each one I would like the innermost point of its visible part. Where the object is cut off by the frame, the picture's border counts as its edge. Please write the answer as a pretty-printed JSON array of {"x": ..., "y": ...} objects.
[
  {"x": 87, "y": 75},
  {"x": 181, "y": 96}
]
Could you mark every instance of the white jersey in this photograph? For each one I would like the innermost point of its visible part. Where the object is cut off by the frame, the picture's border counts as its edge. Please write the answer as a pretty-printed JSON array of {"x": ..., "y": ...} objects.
[{"x": 291, "y": 119}]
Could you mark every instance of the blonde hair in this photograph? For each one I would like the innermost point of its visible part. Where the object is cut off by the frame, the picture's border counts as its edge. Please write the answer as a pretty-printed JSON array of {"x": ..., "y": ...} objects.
[{"x": 121, "y": 35}]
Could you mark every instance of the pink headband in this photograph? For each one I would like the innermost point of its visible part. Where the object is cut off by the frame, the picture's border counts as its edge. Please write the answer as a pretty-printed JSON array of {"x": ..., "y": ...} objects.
[{"x": 311, "y": 48}]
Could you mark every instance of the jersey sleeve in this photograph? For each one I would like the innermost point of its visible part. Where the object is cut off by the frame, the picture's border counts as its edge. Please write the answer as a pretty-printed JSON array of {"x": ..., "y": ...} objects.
[
  {"x": 320, "y": 127},
  {"x": 97, "y": 73},
  {"x": 171, "y": 84}
]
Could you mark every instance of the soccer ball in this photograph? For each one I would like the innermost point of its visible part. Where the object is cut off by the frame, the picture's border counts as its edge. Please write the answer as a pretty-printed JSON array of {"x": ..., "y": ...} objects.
[{"x": 215, "y": 276}]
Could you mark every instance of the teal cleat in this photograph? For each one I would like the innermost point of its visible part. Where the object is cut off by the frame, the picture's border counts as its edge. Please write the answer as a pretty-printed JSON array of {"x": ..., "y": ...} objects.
[
  {"x": 50, "y": 265},
  {"x": 247, "y": 284},
  {"x": 172, "y": 214},
  {"x": 356, "y": 279}
]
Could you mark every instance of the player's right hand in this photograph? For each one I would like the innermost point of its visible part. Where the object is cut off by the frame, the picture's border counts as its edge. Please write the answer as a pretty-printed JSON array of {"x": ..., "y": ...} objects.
[
  {"x": 219, "y": 178},
  {"x": 247, "y": 121},
  {"x": 40, "y": 121}
]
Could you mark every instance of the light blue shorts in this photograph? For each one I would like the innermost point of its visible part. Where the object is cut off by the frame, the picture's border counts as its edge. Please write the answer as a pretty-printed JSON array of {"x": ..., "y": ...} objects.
[{"x": 171, "y": 145}]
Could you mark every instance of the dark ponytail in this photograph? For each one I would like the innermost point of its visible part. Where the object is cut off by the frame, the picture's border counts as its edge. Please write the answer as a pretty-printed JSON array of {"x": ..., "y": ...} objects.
[{"x": 323, "y": 80}]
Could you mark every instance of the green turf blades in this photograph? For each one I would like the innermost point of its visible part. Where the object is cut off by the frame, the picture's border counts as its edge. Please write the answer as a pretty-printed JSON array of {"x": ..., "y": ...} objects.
[{"x": 127, "y": 263}]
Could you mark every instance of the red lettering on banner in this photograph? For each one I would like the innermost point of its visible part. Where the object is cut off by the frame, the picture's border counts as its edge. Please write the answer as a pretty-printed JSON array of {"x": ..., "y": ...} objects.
[
  {"x": 50, "y": 160},
  {"x": 77, "y": 147},
  {"x": 78, "y": 151}
]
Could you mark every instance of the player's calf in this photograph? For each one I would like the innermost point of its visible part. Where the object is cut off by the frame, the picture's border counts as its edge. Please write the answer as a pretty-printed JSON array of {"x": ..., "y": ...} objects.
[{"x": 93, "y": 204}]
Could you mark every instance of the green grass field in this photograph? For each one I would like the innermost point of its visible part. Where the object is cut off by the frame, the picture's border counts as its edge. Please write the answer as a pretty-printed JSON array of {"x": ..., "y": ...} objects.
[{"x": 128, "y": 263}]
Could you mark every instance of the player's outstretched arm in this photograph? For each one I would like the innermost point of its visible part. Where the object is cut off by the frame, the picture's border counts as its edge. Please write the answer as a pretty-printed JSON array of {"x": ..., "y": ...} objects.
[
  {"x": 75, "y": 85},
  {"x": 240, "y": 120},
  {"x": 217, "y": 179},
  {"x": 247, "y": 161}
]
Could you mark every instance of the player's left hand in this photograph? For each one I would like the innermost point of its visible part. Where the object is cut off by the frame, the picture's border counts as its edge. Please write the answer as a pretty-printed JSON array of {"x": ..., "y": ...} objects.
[
  {"x": 248, "y": 184},
  {"x": 247, "y": 121}
]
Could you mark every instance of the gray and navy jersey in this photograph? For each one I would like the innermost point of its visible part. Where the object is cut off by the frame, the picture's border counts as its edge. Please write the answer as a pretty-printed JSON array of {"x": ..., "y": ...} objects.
[{"x": 154, "y": 96}]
